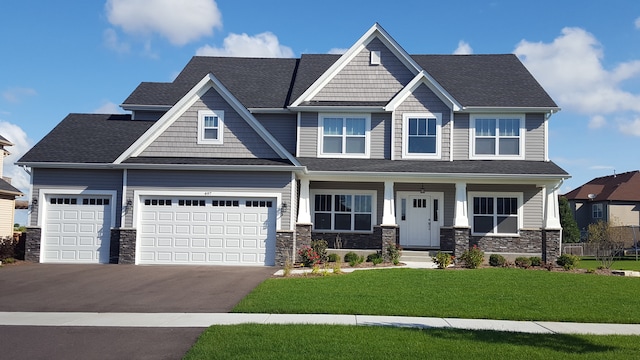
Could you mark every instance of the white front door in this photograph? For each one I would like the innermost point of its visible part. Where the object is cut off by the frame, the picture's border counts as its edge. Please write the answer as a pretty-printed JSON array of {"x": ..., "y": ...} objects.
[{"x": 418, "y": 217}]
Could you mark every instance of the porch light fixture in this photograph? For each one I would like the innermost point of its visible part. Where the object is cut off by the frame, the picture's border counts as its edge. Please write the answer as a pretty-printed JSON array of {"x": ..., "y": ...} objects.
[
  {"x": 283, "y": 207},
  {"x": 422, "y": 191},
  {"x": 34, "y": 203}
]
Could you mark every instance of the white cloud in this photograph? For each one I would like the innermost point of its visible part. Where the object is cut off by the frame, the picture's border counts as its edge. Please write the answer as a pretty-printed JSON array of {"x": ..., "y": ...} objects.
[
  {"x": 571, "y": 69},
  {"x": 108, "y": 107},
  {"x": 597, "y": 122},
  {"x": 338, "y": 51},
  {"x": 265, "y": 44},
  {"x": 21, "y": 144},
  {"x": 111, "y": 41},
  {"x": 463, "y": 48},
  {"x": 178, "y": 21},
  {"x": 631, "y": 127},
  {"x": 637, "y": 23},
  {"x": 17, "y": 94}
]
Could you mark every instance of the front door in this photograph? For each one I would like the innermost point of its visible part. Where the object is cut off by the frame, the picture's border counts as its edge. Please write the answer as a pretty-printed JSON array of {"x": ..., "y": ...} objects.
[{"x": 418, "y": 219}]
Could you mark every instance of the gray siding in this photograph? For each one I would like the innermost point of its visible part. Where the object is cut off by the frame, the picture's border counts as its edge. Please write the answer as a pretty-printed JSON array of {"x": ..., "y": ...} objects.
[
  {"x": 423, "y": 100},
  {"x": 308, "y": 135},
  {"x": 449, "y": 190},
  {"x": 359, "y": 81},
  {"x": 180, "y": 139},
  {"x": 380, "y": 136},
  {"x": 109, "y": 180},
  {"x": 461, "y": 136},
  {"x": 282, "y": 127},
  {"x": 147, "y": 115},
  {"x": 210, "y": 181},
  {"x": 534, "y": 137},
  {"x": 533, "y": 209},
  {"x": 378, "y": 187}
]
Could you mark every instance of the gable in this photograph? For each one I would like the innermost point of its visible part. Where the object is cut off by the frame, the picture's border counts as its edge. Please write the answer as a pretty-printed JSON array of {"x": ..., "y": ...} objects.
[
  {"x": 180, "y": 139},
  {"x": 359, "y": 80}
]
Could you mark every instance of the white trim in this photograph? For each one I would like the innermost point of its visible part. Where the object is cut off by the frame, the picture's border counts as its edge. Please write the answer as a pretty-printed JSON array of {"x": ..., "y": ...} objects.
[
  {"x": 508, "y": 110},
  {"x": 344, "y": 154},
  {"x": 333, "y": 192},
  {"x": 201, "y": 128},
  {"x": 298, "y": 125},
  {"x": 423, "y": 77},
  {"x": 461, "y": 218},
  {"x": 451, "y": 134},
  {"x": 388, "y": 213},
  {"x": 123, "y": 206},
  {"x": 546, "y": 139},
  {"x": 405, "y": 135},
  {"x": 393, "y": 135},
  {"x": 293, "y": 203},
  {"x": 494, "y": 195},
  {"x": 472, "y": 137}
]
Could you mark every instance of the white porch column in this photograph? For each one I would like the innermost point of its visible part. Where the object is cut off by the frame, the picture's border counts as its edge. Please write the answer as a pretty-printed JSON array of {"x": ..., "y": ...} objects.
[
  {"x": 304, "y": 213},
  {"x": 388, "y": 215},
  {"x": 551, "y": 208},
  {"x": 461, "y": 220}
]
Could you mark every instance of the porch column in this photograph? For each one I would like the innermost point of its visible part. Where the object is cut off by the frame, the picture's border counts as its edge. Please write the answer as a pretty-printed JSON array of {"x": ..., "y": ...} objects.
[
  {"x": 388, "y": 215},
  {"x": 551, "y": 209},
  {"x": 461, "y": 220},
  {"x": 304, "y": 213}
]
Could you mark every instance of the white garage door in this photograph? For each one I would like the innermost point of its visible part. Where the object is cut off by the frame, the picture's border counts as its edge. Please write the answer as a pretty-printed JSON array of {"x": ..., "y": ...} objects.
[
  {"x": 199, "y": 230},
  {"x": 77, "y": 229}
]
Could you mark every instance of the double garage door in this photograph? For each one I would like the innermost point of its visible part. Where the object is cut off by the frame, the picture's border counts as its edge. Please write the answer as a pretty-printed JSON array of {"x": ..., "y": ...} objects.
[
  {"x": 171, "y": 230},
  {"x": 206, "y": 230}
]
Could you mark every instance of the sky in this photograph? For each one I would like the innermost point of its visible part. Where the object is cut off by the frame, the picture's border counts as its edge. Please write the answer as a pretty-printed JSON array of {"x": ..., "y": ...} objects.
[{"x": 78, "y": 56}]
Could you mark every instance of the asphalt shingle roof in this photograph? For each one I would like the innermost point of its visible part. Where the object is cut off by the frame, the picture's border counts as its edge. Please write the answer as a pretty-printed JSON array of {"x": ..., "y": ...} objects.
[
  {"x": 87, "y": 138},
  {"x": 619, "y": 187},
  {"x": 7, "y": 188},
  {"x": 204, "y": 161}
]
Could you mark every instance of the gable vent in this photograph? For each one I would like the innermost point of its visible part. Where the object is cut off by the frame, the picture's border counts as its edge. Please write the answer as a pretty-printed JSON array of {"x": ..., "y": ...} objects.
[{"x": 375, "y": 58}]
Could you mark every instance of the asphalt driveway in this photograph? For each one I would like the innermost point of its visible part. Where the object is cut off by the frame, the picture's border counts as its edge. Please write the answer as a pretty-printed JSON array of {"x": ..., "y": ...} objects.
[{"x": 116, "y": 288}]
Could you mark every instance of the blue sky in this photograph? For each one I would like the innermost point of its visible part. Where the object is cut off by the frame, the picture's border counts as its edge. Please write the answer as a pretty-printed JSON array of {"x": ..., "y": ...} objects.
[{"x": 82, "y": 56}]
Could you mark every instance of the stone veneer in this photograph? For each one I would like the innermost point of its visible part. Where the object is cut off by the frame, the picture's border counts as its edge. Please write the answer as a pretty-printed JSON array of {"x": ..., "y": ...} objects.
[
  {"x": 284, "y": 247},
  {"x": 551, "y": 245},
  {"x": 303, "y": 237},
  {"x": 123, "y": 246},
  {"x": 32, "y": 244},
  {"x": 389, "y": 238},
  {"x": 351, "y": 240}
]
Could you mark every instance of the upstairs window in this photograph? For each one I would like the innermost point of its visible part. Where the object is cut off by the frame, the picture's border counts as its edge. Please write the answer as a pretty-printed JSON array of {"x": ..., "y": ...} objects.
[
  {"x": 497, "y": 137},
  {"x": 344, "y": 136},
  {"x": 210, "y": 126},
  {"x": 421, "y": 133},
  {"x": 596, "y": 211}
]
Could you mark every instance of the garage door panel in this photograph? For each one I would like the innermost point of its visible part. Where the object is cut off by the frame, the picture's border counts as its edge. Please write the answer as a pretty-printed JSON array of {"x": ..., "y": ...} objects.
[{"x": 207, "y": 231}]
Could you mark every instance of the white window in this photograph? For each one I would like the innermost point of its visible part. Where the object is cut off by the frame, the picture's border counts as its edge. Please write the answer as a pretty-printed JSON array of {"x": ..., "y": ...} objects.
[
  {"x": 497, "y": 136},
  {"x": 210, "y": 126},
  {"x": 596, "y": 211},
  {"x": 496, "y": 213},
  {"x": 343, "y": 211},
  {"x": 421, "y": 136},
  {"x": 343, "y": 135}
]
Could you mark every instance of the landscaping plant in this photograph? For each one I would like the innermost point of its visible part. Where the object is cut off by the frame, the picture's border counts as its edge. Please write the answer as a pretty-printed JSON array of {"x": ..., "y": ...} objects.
[
  {"x": 308, "y": 256},
  {"x": 320, "y": 247},
  {"x": 473, "y": 257},
  {"x": 394, "y": 252},
  {"x": 443, "y": 260},
  {"x": 497, "y": 260},
  {"x": 523, "y": 262},
  {"x": 568, "y": 261}
]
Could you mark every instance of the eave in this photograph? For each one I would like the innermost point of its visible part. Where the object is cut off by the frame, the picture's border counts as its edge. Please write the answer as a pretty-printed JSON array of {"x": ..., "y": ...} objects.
[
  {"x": 140, "y": 107},
  {"x": 122, "y": 166},
  {"x": 437, "y": 177},
  {"x": 509, "y": 109}
]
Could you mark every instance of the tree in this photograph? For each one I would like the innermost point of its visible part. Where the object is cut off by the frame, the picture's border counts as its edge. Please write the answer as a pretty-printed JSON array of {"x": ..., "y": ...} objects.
[
  {"x": 608, "y": 239},
  {"x": 570, "y": 231}
]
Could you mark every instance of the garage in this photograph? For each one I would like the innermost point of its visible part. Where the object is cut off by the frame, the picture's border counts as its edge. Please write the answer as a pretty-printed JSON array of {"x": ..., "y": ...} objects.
[
  {"x": 206, "y": 230},
  {"x": 77, "y": 229}
]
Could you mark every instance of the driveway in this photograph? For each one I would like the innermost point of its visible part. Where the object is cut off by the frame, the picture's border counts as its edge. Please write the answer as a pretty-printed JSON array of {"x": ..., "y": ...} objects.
[{"x": 116, "y": 288}]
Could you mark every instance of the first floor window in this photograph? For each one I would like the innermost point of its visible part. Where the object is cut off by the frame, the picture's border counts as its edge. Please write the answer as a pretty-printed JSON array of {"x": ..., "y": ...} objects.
[
  {"x": 210, "y": 126},
  {"x": 343, "y": 211},
  {"x": 596, "y": 210},
  {"x": 495, "y": 214}
]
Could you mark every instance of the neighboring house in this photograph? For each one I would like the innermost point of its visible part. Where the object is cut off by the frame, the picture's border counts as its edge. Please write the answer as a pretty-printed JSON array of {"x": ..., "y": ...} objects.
[
  {"x": 614, "y": 198},
  {"x": 8, "y": 195},
  {"x": 243, "y": 161}
]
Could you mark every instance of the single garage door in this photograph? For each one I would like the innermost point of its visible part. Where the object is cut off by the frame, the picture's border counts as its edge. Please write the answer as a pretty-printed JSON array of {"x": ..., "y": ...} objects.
[
  {"x": 77, "y": 229},
  {"x": 207, "y": 231}
]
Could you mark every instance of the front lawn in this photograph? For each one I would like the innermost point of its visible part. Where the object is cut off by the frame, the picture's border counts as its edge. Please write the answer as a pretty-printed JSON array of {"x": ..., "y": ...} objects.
[
  {"x": 360, "y": 342},
  {"x": 627, "y": 263},
  {"x": 492, "y": 293}
]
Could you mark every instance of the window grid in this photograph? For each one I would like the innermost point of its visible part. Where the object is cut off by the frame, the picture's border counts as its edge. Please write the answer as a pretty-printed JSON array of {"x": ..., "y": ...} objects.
[
  {"x": 597, "y": 211},
  {"x": 495, "y": 215},
  {"x": 344, "y": 135},
  {"x": 343, "y": 212},
  {"x": 497, "y": 136}
]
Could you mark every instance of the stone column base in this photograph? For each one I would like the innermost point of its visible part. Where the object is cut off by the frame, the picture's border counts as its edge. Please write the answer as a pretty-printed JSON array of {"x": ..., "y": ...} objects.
[
  {"x": 123, "y": 246},
  {"x": 32, "y": 244},
  {"x": 389, "y": 239},
  {"x": 284, "y": 247},
  {"x": 303, "y": 237},
  {"x": 551, "y": 240},
  {"x": 462, "y": 237}
]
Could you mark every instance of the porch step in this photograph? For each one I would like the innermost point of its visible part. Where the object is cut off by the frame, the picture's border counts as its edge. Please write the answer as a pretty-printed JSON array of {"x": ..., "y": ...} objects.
[{"x": 417, "y": 255}]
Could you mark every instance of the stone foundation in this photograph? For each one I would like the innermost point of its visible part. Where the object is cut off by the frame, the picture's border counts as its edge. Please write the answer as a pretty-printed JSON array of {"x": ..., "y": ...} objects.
[
  {"x": 123, "y": 246},
  {"x": 461, "y": 239},
  {"x": 351, "y": 240},
  {"x": 284, "y": 247},
  {"x": 303, "y": 237},
  {"x": 529, "y": 242},
  {"x": 389, "y": 238},
  {"x": 447, "y": 239},
  {"x": 551, "y": 245},
  {"x": 32, "y": 244}
]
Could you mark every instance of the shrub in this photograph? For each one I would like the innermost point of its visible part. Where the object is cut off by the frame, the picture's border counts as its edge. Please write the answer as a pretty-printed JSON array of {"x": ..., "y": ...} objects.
[
  {"x": 536, "y": 261},
  {"x": 357, "y": 261},
  {"x": 8, "y": 248},
  {"x": 308, "y": 256},
  {"x": 373, "y": 257},
  {"x": 568, "y": 261},
  {"x": 350, "y": 256},
  {"x": 442, "y": 260},
  {"x": 334, "y": 258},
  {"x": 497, "y": 260},
  {"x": 473, "y": 257},
  {"x": 394, "y": 252},
  {"x": 320, "y": 247},
  {"x": 523, "y": 262}
]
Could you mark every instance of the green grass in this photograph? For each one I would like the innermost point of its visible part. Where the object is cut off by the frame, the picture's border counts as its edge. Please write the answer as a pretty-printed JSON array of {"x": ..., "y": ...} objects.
[
  {"x": 492, "y": 293},
  {"x": 621, "y": 264},
  {"x": 359, "y": 342}
]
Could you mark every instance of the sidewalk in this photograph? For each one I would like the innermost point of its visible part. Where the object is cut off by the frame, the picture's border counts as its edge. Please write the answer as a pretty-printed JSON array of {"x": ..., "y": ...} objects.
[{"x": 178, "y": 320}]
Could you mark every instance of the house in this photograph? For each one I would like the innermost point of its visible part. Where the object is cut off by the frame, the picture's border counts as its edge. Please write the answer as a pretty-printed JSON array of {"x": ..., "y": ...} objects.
[
  {"x": 614, "y": 198},
  {"x": 241, "y": 161},
  {"x": 8, "y": 195}
]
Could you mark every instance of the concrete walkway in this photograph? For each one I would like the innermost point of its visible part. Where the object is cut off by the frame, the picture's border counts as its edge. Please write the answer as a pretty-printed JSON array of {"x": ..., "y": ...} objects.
[{"x": 203, "y": 320}]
